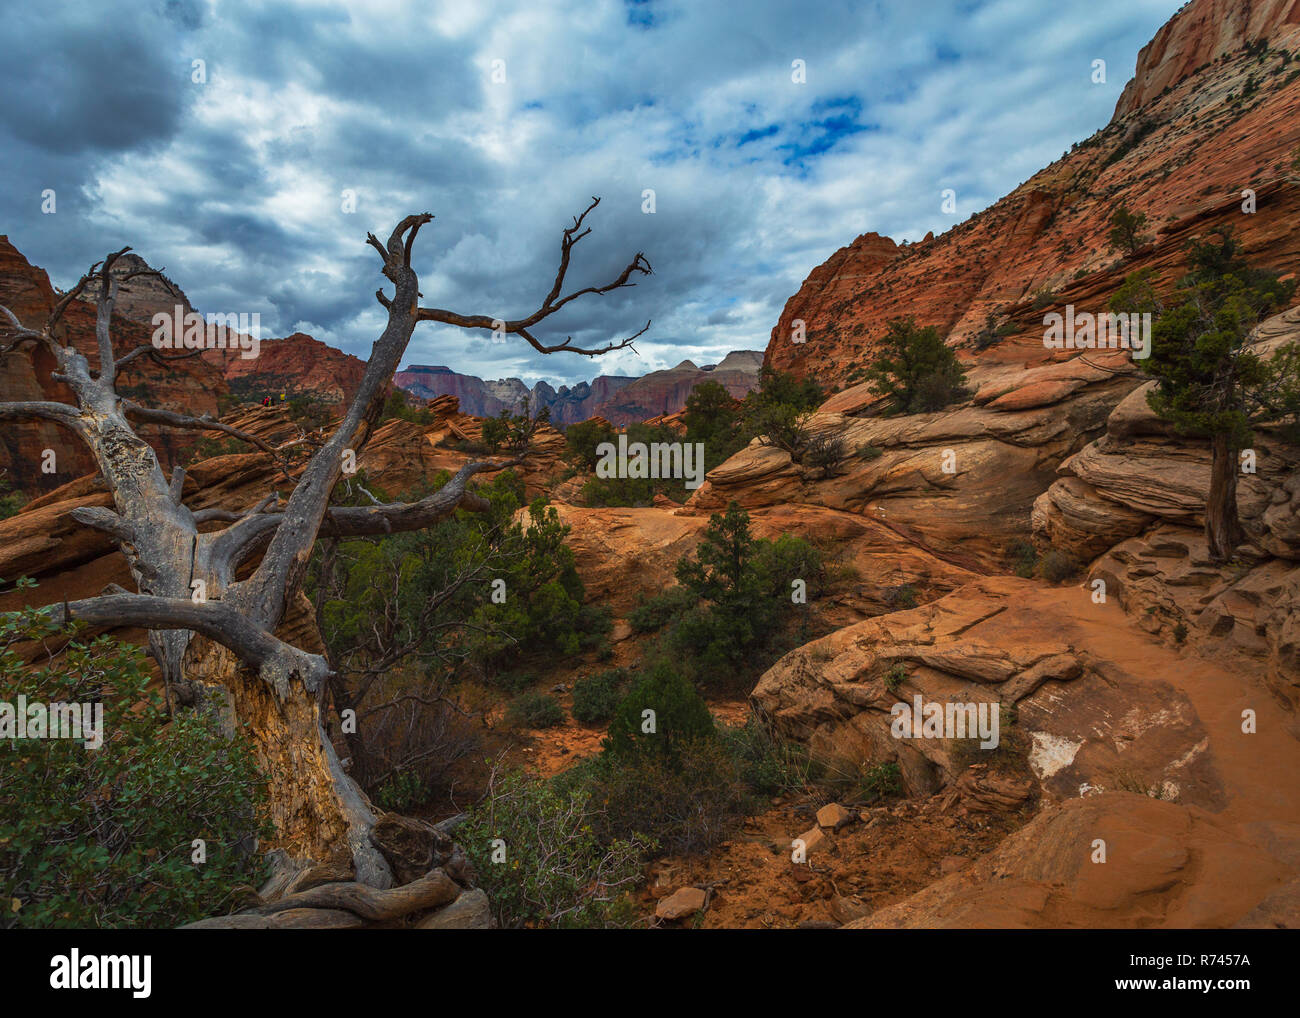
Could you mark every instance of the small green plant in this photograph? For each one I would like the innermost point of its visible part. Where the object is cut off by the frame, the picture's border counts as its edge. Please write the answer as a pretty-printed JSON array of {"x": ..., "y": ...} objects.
[
  {"x": 869, "y": 452},
  {"x": 901, "y": 598},
  {"x": 596, "y": 698},
  {"x": 1180, "y": 632},
  {"x": 104, "y": 837},
  {"x": 537, "y": 854},
  {"x": 1024, "y": 558},
  {"x": 895, "y": 676},
  {"x": 534, "y": 710},
  {"x": 1057, "y": 566}
]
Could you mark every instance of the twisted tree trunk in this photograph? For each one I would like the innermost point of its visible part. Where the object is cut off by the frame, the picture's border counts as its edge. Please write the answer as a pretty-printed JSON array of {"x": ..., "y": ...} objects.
[
  {"x": 1223, "y": 530},
  {"x": 214, "y": 636}
]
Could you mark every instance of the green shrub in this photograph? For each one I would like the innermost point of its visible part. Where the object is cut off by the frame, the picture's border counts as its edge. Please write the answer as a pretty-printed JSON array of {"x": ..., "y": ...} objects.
[
  {"x": 768, "y": 764},
  {"x": 656, "y": 612},
  {"x": 534, "y": 710},
  {"x": 691, "y": 801},
  {"x": 916, "y": 370},
  {"x": 680, "y": 714},
  {"x": 596, "y": 698},
  {"x": 102, "y": 838},
  {"x": 869, "y": 452},
  {"x": 1024, "y": 558},
  {"x": 536, "y": 852},
  {"x": 1057, "y": 566},
  {"x": 901, "y": 598},
  {"x": 825, "y": 453},
  {"x": 582, "y": 440},
  {"x": 896, "y": 676}
]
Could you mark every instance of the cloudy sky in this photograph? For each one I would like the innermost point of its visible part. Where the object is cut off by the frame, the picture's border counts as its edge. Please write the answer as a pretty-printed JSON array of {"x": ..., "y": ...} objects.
[{"x": 236, "y": 183}]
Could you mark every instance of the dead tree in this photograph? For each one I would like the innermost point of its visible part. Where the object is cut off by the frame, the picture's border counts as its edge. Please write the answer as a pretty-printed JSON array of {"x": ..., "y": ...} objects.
[{"x": 222, "y": 645}]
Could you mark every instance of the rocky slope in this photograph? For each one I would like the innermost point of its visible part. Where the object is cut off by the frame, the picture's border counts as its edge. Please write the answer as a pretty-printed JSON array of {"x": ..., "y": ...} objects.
[
  {"x": 297, "y": 365},
  {"x": 1208, "y": 115}
]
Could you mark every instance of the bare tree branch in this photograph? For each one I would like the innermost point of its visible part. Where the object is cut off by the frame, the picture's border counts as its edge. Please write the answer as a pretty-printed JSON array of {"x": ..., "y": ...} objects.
[
  {"x": 152, "y": 415},
  {"x": 553, "y": 302}
]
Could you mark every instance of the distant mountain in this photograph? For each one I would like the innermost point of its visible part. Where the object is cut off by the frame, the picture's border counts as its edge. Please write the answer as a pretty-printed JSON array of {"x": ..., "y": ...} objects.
[{"x": 620, "y": 399}]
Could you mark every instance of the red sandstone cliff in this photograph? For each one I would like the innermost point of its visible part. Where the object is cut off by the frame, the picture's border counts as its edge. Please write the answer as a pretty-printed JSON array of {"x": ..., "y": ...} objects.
[{"x": 1186, "y": 139}]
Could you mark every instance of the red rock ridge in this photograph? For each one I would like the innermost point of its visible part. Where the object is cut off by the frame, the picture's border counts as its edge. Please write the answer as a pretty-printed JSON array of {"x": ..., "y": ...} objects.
[{"x": 1182, "y": 158}]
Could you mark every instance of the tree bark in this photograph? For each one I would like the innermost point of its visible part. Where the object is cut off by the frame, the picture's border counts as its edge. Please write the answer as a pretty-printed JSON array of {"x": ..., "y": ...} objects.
[{"x": 1223, "y": 530}]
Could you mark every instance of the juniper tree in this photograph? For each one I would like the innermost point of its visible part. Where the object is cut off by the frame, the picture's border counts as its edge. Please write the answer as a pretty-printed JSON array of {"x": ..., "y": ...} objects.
[{"x": 1210, "y": 382}]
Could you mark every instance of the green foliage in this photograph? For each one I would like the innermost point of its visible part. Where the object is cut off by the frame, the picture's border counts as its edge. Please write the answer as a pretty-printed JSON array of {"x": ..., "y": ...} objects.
[
  {"x": 209, "y": 448},
  {"x": 11, "y": 502},
  {"x": 916, "y": 370},
  {"x": 309, "y": 410},
  {"x": 781, "y": 425},
  {"x": 895, "y": 677},
  {"x": 658, "y": 611},
  {"x": 101, "y": 838},
  {"x": 994, "y": 332},
  {"x": 869, "y": 452},
  {"x": 596, "y": 698},
  {"x": 534, "y": 710},
  {"x": 1126, "y": 230},
  {"x": 511, "y": 431},
  {"x": 779, "y": 387},
  {"x": 397, "y": 406},
  {"x": 690, "y": 800},
  {"x": 556, "y": 872},
  {"x": 495, "y": 431},
  {"x": 767, "y": 764},
  {"x": 825, "y": 453},
  {"x": 582, "y": 440},
  {"x": 1210, "y": 382},
  {"x": 713, "y": 417},
  {"x": 680, "y": 714},
  {"x": 901, "y": 598},
  {"x": 1024, "y": 557},
  {"x": 637, "y": 491},
  {"x": 740, "y": 588}
]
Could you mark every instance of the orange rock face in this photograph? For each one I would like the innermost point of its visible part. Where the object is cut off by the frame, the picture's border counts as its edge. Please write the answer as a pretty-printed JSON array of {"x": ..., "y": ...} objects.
[
  {"x": 297, "y": 364},
  {"x": 189, "y": 386},
  {"x": 1204, "y": 119}
]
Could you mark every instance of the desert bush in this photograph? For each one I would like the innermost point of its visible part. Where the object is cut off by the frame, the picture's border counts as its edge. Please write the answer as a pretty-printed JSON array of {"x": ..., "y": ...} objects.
[
  {"x": 534, "y": 710},
  {"x": 916, "y": 370},
  {"x": 582, "y": 439},
  {"x": 680, "y": 714},
  {"x": 825, "y": 453},
  {"x": 690, "y": 800},
  {"x": 597, "y": 697},
  {"x": 1056, "y": 566},
  {"x": 655, "y": 612},
  {"x": 102, "y": 838},
  {"x": 537, "y": 854}
]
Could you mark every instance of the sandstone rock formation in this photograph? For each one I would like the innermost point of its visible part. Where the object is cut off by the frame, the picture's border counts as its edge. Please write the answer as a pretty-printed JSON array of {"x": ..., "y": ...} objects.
[
  {"x": 1204, "y": 118},
  {"x": 620, "y": 399}
]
